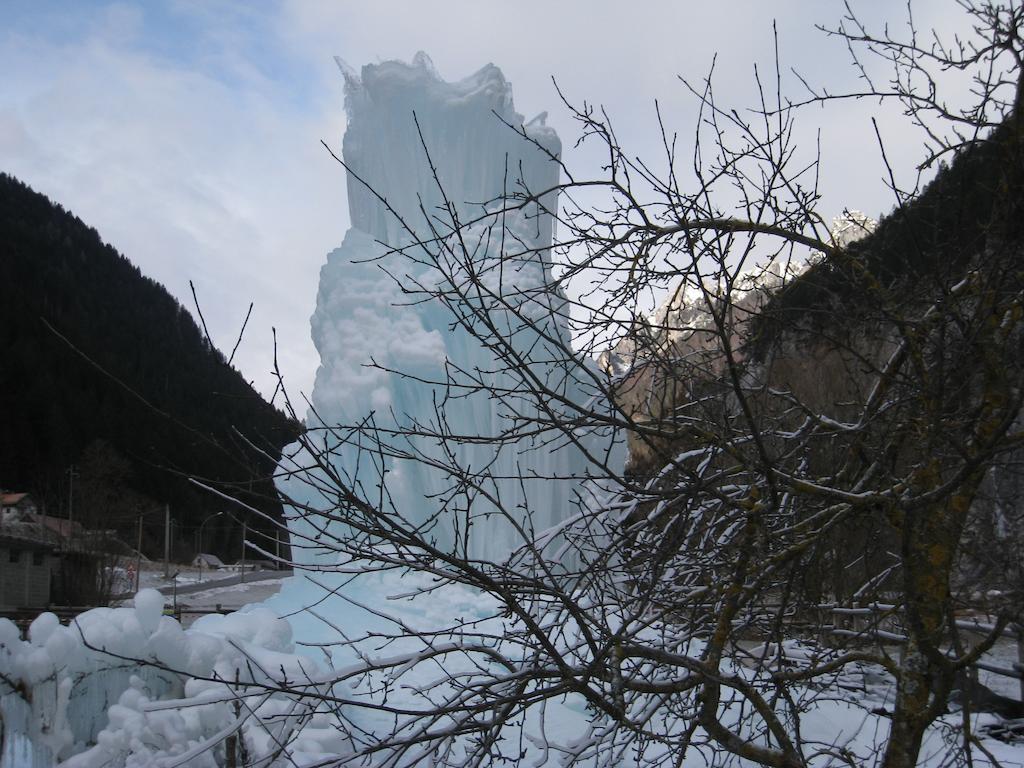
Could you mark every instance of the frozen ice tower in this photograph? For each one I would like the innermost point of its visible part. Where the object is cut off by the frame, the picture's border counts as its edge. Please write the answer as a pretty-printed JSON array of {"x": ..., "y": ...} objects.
[
  {"x": 421, "y": 154},
  {"x": 470, "y": 130}
]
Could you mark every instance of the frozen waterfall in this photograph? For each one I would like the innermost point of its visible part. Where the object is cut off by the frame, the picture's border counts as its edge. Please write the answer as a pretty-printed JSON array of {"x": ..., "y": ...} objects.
[{"x": 404, "y": 413}]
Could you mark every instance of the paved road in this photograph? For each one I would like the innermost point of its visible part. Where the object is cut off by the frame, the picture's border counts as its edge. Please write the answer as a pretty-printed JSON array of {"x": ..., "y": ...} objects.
[{"x": 202, "y": 586}]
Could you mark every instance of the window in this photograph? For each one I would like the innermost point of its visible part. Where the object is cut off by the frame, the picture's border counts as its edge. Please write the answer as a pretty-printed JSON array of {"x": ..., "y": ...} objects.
[
  {"x": 14, "y": 555},
  {"x": 37, "y": 557}
]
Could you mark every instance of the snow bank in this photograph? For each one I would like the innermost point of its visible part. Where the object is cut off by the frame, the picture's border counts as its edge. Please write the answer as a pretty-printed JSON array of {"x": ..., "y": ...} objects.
[
  {"x": 126, "y": 686},
  {"x": 160, "y": 696}
]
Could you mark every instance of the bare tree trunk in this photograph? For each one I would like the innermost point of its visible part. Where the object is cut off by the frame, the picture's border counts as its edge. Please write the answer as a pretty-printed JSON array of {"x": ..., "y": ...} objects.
[
  {"x": 912, "y": 701},
  {"x": 930, "y": 537}
]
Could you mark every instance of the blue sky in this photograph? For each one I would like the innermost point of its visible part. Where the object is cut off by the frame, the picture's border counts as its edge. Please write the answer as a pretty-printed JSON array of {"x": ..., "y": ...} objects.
[{"x": 188, "y": 132}]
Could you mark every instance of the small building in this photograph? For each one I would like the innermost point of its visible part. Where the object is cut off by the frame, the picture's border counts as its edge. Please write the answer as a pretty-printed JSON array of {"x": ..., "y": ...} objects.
[
  {"x": 16, "y": 505},
  {"x": 29, "y": 554},
  {"x": 26, "y": 572},
  {"x": 206, "y": 560}
]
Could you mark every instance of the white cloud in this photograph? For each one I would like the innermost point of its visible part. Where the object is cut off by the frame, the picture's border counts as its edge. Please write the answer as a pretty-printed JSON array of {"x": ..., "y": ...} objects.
[
  {"x": 190, "y": 177},
  {"x": 195, "y": 150}
]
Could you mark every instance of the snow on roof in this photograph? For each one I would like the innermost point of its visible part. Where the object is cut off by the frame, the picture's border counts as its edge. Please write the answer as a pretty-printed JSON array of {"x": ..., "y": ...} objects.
[
  {"x": 60, "y": 526},
  {"x": 207, "y": 559}
]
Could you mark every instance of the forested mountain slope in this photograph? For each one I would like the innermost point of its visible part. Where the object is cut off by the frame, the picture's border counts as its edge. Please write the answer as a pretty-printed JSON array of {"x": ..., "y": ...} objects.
[
  {"x": 133, "y": 396},
  {"x": 927, "y": 243}
]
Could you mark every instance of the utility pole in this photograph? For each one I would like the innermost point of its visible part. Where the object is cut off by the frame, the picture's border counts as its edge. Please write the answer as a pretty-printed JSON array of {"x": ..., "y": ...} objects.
[
  {"x": 167, "y": 541},
  {"x": 71, "y": 495},
  {"x": 243, "y": 551},
  {"x": 138, "y": 558},
  {"x": 1020, "y": 655}
]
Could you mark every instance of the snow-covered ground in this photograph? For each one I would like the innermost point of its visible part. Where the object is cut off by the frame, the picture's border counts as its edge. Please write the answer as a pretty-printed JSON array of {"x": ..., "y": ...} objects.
[
  {"x": 187, "y": 577},
  {"x": 154, "y": 577},
  {"x": 77, "y": 699},
  {"x": 223, "y": 593},
  {"x": 232, "y": 597}
]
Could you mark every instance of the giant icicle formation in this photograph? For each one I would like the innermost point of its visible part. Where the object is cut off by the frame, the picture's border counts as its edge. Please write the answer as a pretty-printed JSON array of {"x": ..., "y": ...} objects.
[
  {"x": 398, "y": 113},
  {"x": 422, "y": 154}
]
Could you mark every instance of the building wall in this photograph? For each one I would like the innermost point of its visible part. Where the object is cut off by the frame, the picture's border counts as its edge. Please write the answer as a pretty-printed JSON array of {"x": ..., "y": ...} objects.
[{"x": 26, "y": 581}]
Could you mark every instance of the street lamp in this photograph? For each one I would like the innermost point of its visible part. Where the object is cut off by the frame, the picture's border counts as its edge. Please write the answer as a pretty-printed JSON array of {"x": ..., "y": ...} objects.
[{"x": 200, "y": 552}]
